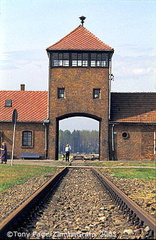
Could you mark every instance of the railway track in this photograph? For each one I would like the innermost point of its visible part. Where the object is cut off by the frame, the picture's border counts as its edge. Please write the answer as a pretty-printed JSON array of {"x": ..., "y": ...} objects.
[{"x": 78, "y": 203}]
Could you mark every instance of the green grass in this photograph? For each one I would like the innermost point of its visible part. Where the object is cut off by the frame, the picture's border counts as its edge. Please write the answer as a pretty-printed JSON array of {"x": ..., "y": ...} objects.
[
  {"x": 141, "y": 173},
  {"x": 18, "y": 174},
  {"x": 119, "y": 163}
]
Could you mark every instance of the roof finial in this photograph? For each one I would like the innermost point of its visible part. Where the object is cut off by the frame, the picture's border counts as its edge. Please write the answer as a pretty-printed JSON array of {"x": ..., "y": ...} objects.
[{"x": 82, "y": 18}]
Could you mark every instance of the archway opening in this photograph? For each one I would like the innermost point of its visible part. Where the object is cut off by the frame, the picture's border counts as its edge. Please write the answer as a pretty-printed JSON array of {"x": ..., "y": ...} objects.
[{"x": 82, "y": 133}]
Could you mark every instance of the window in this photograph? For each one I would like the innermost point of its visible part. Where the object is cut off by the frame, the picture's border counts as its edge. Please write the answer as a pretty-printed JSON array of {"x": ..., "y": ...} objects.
[
  {"x": 8, "y": 103},
  {"x": 61, "y": 93},
  {"x": 27, "y": 138},
  {"x": 125, "y": 135},
  {"x": 60, "y": 59},
  {"x": 79, "y": 59},
  {"x": 96, "y": 93},
  {"x": 96, "y": 59},
  {"x": 99, "y": 60}
]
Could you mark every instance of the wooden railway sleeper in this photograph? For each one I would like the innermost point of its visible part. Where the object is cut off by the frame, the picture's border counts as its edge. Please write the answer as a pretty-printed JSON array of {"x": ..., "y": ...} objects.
[
  {"x": 127, "y": 211},
  {"x": 133, "y": 218},
  {"x": 115, "y": 197},
  {"x": 137, "y": 220},
  {"x": 130, "y": 214},
  {"x": 111, "y": 194},
  {"x": 150, "y": 234},
  {"x": 123, "y": 206},
  {"x": 120, "y": 204},
  {"x": 118, "y": 199},
  {"x": 141, "y": 223}
]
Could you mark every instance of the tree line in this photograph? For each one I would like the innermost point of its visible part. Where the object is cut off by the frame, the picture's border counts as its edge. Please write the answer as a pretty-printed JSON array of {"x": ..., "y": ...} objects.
[{"x": 81, "y": 141}]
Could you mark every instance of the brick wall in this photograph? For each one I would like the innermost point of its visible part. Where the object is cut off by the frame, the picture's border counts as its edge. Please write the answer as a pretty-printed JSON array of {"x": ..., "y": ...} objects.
[
  {"x": 78, "y": 84},
  {"x": 139, "y": 145},
  {"x": 147, "y": 147},
  {"x": 38, "y": 137}
]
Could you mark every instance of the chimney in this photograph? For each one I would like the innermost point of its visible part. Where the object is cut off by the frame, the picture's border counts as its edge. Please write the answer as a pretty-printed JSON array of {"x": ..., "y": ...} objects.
[{"x": 22, "y": 87}]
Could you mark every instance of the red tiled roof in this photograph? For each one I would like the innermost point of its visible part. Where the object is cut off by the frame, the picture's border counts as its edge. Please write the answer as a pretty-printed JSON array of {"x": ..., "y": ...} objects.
[
  {"x": 133, "y": 107},
  {"x": 125, "y": 107},
  {"x": 80, "y": 39},
  {"x": 31, "y": 105}
]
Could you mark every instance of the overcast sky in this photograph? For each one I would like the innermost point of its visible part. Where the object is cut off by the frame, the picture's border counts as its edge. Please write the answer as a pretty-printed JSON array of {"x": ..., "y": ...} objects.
[{"x": 28, "y": 27}]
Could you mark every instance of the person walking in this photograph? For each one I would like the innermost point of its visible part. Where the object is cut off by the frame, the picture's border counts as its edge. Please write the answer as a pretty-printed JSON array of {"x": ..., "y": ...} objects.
[
  {"x": 3, "y": 153},
  {"x": 67, "y": 151}
]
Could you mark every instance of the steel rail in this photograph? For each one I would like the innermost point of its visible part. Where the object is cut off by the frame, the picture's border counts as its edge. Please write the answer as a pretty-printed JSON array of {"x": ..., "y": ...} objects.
[
  {"x": 8, "y": 223},
  {"x": 136, "y": 214}
]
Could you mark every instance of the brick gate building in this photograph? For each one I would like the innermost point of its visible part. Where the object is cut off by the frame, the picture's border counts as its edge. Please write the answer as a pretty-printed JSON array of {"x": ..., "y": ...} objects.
[{"x": 80, "y": 85}]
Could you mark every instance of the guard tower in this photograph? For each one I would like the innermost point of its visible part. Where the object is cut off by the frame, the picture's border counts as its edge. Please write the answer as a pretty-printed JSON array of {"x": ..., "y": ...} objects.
[{"x": 79, "y": 84}]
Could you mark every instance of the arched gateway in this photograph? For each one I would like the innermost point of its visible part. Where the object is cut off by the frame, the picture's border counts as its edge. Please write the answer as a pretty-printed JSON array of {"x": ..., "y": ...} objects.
[{"x": 79, "y": 84}]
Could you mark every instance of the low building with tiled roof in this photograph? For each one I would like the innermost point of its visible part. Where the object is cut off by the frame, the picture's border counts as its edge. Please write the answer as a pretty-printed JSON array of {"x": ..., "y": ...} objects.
[
  {"x": 32, "y": 109},
  {"x": 31, "y": 105},
  {"x": 133, "y": 125},
  {"x": 133, "y": 107}
]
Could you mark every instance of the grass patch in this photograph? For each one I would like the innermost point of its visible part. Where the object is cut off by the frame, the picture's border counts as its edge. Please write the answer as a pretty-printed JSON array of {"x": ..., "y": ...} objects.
[
  {"x": 18, "y": 174},
  {"x": 141, "y": 173},
  {"x": 119, "y": 163}
]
